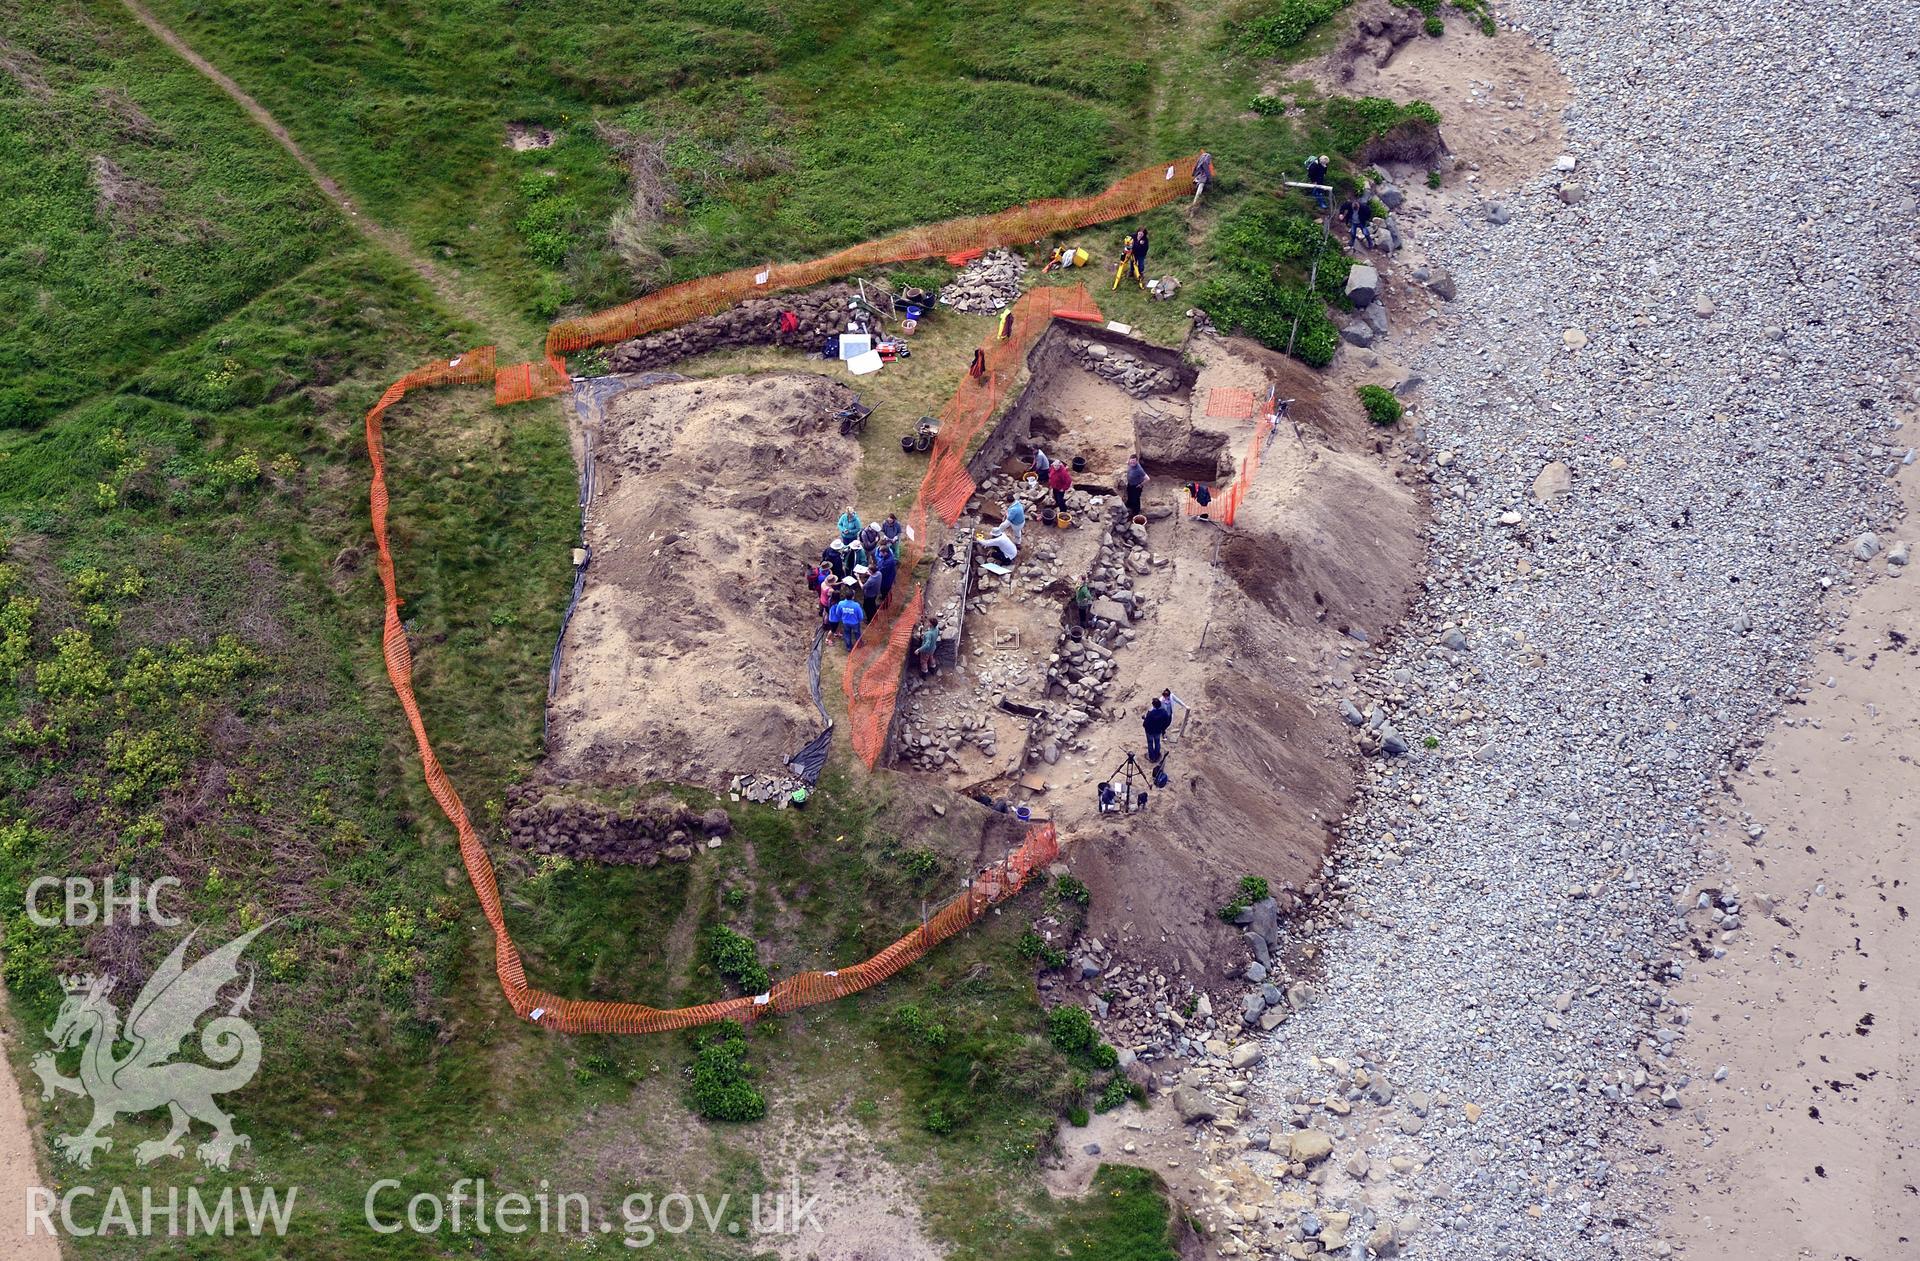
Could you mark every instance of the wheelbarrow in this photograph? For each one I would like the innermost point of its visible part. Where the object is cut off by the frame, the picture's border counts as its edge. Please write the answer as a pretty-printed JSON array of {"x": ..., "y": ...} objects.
[
  {"x": 853, "y": 419},
  {"x": 925, "y": 430}
]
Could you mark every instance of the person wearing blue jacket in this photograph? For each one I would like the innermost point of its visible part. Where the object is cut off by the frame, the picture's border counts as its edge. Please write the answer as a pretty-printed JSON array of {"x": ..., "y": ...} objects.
[
  {"x": 1016, "y": 518},
  {"x": 889, "y": 570},
  {"x": 849, "y": 525},
  {"x": 848, "y": 617}
]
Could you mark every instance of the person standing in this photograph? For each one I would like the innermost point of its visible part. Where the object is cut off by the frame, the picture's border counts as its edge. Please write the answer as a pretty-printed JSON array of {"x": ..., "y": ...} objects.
[
  {"x": 889, "y": 570},
  {"x": 1140, "y": 246},
  {"x": 1060, "y": 481},
  {"x": 1202, "y": 175},
  {"x": 1363, "y": 217},
  {"x": 870, "y": 538},
  {"x": 1135, "y": 481},
  {"x": 1017, "y": 517},
  {"x": 1158, "y": 718},
  {"x": 890, "y": 532},
  {"x": 869, "y": 592},
  {"x": 927, "y": 654},
  {"x": 1041, "y": 464},
  {"x": 828, "y": 585},
  {"x": 1317, "y": 174},
  {"x": 849, "y": 525},
  {"x": 847, "y": 614}
]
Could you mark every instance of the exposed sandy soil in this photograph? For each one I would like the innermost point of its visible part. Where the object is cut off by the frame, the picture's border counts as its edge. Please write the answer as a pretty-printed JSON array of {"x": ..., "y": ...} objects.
[
  {"x": 17, "y": 1168},
  {"x": 1499, "y": 99},
  {"x": 1811, "y": 1145},
  {"x": 1238, "y": 625},
  {"x": 865, "y": 1207},
  {"x": 687, "y": 656},
  {"x": 1258, "y": 772}
]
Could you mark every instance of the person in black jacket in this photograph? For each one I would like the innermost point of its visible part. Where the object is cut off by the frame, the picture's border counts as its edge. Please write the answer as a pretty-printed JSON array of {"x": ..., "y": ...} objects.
[
  {"x": 1362, "y": 219},
  {"x": 1157, "y": 720},
  {"x": 1317, "y": 174}
]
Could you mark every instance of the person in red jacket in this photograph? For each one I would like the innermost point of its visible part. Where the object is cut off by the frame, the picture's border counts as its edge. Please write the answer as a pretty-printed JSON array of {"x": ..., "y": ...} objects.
[{"x": 1060, "y": 480}]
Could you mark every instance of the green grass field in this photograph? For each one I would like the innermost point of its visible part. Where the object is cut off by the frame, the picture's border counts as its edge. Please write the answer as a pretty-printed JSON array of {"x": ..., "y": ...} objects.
[{"x": 189, "y": 613}]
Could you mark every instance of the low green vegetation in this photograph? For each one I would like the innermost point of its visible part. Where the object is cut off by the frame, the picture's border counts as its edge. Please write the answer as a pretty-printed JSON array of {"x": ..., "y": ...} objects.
[
  {"x": 683, "y": 137},
  {"x": 120, "y": 182},
  {"x": 1251, "y": 889},
  {"x": 735, "y": 958},
  {"x": 1477, "y": 10},
  {"x": 1382, "y": 407},
  {"x": 1272, "y": 28},
  {"x": 720, "y": 1073}
]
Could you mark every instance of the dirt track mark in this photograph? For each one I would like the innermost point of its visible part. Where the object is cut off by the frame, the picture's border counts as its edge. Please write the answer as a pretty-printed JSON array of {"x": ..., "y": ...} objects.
[{"x": 448, "y": 287}]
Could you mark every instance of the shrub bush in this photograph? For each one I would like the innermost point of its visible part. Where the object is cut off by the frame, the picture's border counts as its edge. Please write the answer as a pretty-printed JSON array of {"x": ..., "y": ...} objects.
[
  {"x": 736, "y": 958},
  {"x": 1382, "y": 407},
  {"x": 721, "y": 1089},
  {"x": 1071, "y": 1030},
  {"x": 1252, "y": 889},
  {"x": 1116, "y": 1092}
]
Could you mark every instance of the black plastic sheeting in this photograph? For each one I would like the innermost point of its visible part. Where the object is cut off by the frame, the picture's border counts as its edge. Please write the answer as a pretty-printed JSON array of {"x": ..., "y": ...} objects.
[{"x": 807, "y": 763}]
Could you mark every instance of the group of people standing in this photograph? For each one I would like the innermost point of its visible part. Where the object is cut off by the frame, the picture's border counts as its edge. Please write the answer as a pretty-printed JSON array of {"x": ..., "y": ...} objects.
[{"x": 855, "y": 574}]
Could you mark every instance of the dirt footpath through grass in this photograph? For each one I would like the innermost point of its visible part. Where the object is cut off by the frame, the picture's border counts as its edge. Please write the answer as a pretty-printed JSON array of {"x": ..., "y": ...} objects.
[
  {"x": 19, "y": 1172},
  {"x": 505, "y": 330}
]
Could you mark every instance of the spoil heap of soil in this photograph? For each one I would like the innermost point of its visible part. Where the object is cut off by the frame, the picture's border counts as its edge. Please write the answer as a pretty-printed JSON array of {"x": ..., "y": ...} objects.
[{"x": 687, "y": 657}]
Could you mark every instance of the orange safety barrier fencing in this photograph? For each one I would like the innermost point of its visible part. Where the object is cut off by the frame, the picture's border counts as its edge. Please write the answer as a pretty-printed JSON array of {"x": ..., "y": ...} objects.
[
  {"x": 871, "y": 679},
  {"x": 1225, "y": 506},
  {"x": 568, "y": 1015},
  {"x": 690, "y": 300},
  {"x": 872, "y": 676}
]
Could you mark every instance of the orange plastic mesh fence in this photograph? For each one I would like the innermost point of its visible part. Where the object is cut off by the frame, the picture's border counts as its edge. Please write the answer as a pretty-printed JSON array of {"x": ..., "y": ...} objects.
[
  {"x": 690, "y": 300},
  {"x": 871, "y": 679},
  {"x": 524, "y": 382},
  {"x": 568, "y": 1015},
  {"x": 1225, "y": 506}
]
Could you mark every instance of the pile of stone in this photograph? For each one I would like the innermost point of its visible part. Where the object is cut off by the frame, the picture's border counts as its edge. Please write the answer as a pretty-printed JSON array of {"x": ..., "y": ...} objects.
[
  {"x": 1163, "y": 288},
  {"x": 988, "y": 283},
  {"x": 778, "y": 789},
  {"x": 756, "y": 322},
  {"x": 1136, "y": 377},
  {"x": 660, "y": 828},
  {"x": 935, "y": 745}
]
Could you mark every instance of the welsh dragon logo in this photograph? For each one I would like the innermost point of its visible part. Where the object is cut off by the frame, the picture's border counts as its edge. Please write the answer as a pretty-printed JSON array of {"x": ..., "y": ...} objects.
[{"x": 145, "y": 1078}]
